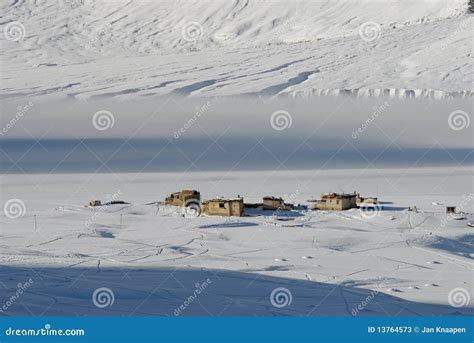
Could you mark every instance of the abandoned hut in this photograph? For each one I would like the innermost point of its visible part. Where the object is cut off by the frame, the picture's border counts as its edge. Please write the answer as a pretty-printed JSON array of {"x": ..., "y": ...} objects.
[
  {"x": 336, "y": 202},
  {"x": 94, "y": 203},
  {"x": 224, "y": 207},
  {"x": 365, "y": 200},
  {"x": 274, "y": 203},
  {"x": 183, "y": 197}
]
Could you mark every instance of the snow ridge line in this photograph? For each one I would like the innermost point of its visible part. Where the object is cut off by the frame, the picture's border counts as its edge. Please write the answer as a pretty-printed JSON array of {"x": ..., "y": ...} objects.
[{"x": 400, "y": 93}]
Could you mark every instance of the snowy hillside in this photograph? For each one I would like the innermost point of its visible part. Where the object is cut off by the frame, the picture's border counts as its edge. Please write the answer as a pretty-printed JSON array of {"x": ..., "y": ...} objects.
[{"x": 85, "y": 48}]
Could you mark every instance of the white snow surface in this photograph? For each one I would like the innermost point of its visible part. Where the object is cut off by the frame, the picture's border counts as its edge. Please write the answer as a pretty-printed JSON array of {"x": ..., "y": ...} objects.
[
  {"x": 153, "y": 257},
  {"x": 126, "y": 48}
]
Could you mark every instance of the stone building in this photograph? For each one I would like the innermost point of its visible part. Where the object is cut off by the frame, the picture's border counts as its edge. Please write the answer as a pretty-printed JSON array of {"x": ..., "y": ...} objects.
[
  {"x": 224, "y": 207},
  {"x": 183, "y": 197},
  {"x": 336, "y": 202},
  {"x": 94, "y": 203},
  {"x": 365, "y": 200},
  {"x": 274, "y": 203}
]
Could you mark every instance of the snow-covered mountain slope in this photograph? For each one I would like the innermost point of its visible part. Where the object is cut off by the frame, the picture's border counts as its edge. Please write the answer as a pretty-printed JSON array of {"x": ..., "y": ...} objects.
[{"x": 86, "y": 48}]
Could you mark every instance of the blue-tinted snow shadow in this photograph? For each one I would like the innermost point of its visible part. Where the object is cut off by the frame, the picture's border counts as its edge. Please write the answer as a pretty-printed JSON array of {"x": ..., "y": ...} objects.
[
  {"x": 461, "y": 246},
  {"x": 184, "y": 291},
  {"x": 385, "y": 208},
  {"x": 201, "y": 154},
  {"x": 227, "y": 225},
  {"x": 277, "y": 214}
]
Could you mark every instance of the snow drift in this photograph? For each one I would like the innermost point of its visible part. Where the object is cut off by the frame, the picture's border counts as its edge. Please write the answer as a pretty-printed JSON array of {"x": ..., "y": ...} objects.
[{"x": 87, "y": 49}]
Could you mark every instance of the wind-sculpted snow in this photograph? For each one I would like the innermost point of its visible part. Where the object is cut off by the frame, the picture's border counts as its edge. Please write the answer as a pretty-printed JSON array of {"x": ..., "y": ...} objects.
[{"x": 128, "y": 49}]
